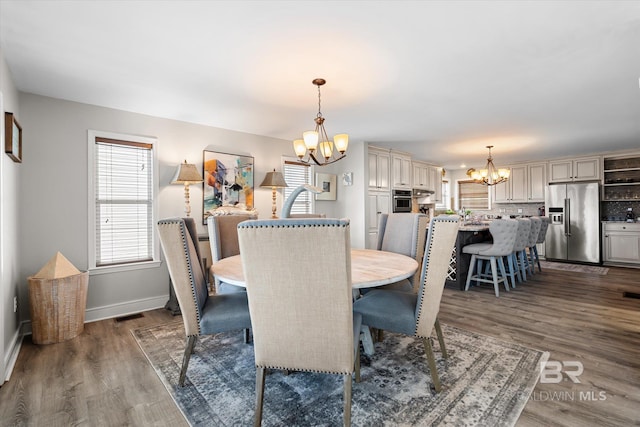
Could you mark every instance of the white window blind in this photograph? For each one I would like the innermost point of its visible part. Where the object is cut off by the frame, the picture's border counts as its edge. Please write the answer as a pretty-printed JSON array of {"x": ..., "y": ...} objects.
[
  {"x": 123, "y": 189},
  {"x": 445, "y": 203},
  {"x": 295, "y": 175}
]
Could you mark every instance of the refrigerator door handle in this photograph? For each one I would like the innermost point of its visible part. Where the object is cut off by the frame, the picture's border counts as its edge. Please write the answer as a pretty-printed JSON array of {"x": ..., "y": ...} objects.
[{"x": 567, "y": 217}]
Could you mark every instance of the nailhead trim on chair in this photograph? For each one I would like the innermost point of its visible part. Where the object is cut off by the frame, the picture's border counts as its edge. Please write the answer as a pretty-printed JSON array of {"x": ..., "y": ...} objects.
[
  {"x": 180, "y": 222},
  {"x": 294, "y": 223},
  {"x": 282, "y": 368},
  {"x": 452, "y": 218}
]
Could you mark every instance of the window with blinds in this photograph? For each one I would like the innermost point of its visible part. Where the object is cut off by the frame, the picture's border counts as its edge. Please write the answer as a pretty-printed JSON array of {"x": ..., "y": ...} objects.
[
  {"x": 295, "y": 175},
  {"x": 473, "y": 196},
  {"x": 123, "y": 186}
]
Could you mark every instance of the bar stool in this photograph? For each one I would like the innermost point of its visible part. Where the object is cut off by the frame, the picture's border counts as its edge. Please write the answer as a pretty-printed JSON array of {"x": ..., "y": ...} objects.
[
  {"x": 504, "y": 235},
  {"x": 536, "y": 224},
  {"x": 518, "y": 255},
  {"x": 544, "y": 226}
]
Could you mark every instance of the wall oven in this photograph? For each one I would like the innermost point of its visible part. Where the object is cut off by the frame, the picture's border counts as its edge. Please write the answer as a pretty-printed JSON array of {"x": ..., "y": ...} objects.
[{"x": 401, "y": 200}]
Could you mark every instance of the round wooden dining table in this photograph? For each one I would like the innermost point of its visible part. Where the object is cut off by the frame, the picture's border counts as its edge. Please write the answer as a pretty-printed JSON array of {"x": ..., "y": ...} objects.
[{"x": 369, "y": 268}]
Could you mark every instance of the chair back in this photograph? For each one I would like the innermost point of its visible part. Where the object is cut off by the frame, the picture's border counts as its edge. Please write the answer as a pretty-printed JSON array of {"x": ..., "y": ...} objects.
[
  {"x": 522, "y": 238},
  {"x": 298, "y": 279},
  {"x": 223, "y": 235},
  {"x": 536, "y": 224},
  {"x": 504, "y": 233},
  {"x": 185, "y": 269},
  {"x": 544, "y": 226},
  {"x": 307, "y": 215},
  {"x": 442, "y": 235},
  {"x": 404, "y": 233}
]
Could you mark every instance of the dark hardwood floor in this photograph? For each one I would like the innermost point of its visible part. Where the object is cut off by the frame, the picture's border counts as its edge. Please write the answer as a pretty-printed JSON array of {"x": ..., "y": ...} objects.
[{"x": 102, "y": 378}]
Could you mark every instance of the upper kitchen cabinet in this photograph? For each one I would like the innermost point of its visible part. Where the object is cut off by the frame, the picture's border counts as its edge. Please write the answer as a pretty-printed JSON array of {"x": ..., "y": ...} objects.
[
  {"x": 526, "y": 184},
  {"x": 400, "y": 170},
  {"x": 621, "y": 179},
  {"x": 514, "y": 189},
  {"x": 421, "y": 176},
  {"x": 379, "y": 161},
  {"x": 581, "y": 169}
]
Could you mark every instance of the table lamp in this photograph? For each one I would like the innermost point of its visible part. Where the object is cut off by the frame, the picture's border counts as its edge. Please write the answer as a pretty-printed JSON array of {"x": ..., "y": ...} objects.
[
  {"x": 274, "y": 180},
  {"x": 187, "y": 174}
]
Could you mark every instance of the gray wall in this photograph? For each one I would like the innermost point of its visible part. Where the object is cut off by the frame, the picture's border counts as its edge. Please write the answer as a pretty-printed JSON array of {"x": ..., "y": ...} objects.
[
  {"x": 54, "y": 190},
  {"x": 10, "y": 279}
]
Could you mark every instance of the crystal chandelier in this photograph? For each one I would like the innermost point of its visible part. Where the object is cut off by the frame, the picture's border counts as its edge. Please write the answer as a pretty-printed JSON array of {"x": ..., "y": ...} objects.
[
  {"x": 490, "y": 175},
  {"x": 317, "y": 140}
]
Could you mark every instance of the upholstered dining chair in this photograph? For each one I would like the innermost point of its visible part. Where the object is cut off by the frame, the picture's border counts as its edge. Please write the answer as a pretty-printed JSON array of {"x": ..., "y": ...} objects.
[
  {"x": 415, "y": 314},
  {"x": 542, "y": 235},
  {"x": 298, "y": 277},
  {"x": 403, "y": 233},
  {"x": 406, "y": 234},
  {"x": 504, "y": 233},
  {"x": 202, "y": 314},
  {"x": 223, "y": 239},
  {"x": 536, "y": 225}
]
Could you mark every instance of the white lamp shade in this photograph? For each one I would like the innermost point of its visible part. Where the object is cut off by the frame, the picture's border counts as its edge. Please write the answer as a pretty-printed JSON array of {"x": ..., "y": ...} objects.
[
  {"x": 342, "y": 142},
  {"x": 187, "y": 174},
  {"x": 310, "y": 139},
  {"x": 299, "y": 147},
  {"x": 326, "y": 148}
]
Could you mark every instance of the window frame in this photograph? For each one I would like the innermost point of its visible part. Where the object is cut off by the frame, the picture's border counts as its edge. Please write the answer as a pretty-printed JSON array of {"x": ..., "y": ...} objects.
[
  {"x": 294, "y": 160},
  {"x": 92, "y": 135}
]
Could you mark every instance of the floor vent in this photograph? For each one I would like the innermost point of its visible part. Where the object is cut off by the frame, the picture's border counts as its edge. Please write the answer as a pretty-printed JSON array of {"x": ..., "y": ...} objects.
[
  {"x": 129, "y": 317},
  {"x": 631, "y": 295}
]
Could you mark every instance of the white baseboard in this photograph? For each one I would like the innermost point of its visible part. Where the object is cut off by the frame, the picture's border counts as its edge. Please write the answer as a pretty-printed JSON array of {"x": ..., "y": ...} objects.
[
  {"x": 125, "y": 308},
  {"x": 11, "y": 356},
  {"x": 113, "y": 310}
]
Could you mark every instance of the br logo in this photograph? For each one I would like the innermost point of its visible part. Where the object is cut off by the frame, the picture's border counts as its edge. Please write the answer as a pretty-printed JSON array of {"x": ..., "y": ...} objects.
[{"x": 551, "y": 371}]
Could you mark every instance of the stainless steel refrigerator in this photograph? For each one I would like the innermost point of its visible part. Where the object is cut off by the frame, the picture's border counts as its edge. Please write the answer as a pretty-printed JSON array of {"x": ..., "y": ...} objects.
[{"x": 574, "y": 231}]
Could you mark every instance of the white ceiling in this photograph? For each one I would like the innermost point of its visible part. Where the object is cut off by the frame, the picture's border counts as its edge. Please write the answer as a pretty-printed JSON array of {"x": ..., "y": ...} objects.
[{"x": 537, "y": 79}]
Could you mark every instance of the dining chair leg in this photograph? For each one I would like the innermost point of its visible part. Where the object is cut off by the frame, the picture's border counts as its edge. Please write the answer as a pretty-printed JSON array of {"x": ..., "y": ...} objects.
[
  {"x": 511, "y": 272},
  {"x": 357, "y": 363},
  {"x": 431, "y": 360},
  {"x": 247, "y": 336},
  {"x": 191, "y": 342},
  {"x": 347, "y": 400},
  {"x": 523, "y": 265},
  {"x": 260, "y": 371},
  {"x": 443, "y": 348}
]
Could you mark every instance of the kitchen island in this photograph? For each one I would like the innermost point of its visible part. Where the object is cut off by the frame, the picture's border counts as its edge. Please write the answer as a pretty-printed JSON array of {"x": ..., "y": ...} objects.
[{"x": 459, "y": 263}]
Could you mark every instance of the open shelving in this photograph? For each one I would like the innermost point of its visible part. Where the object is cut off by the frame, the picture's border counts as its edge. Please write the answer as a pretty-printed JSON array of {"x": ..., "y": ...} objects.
[{"x": 621, "y": 179}]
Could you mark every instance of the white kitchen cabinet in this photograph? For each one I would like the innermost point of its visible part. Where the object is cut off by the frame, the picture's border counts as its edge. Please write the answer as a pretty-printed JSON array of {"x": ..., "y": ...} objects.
[
  {"x": 526, "y": 183},
  {"x": 421, "y": 176},
  {"x": 536, "y": 182},
  {"x": 580, "y": 169},
  {"x": 621, "y": 243},
  {"x": 400, "y": 171},
  {"x": 378, "y": 203},
  {"x": 514, "y": 190},
  {"x": 379, "y": 161}
]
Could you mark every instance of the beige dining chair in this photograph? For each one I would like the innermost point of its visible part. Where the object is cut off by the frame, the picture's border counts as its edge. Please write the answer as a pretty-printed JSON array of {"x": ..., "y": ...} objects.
[
  {"x": 406, "y": 234},
  {"x": 298, "y": 278},
  {"x": 415, "y": 314},
  {"x": 223, "y": 239},
  {"x": 202, "y": 314}
]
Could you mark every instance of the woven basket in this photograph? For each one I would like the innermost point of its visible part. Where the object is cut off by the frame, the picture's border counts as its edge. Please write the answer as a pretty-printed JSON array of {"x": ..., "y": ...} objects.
[{"x": 57, "y": 307}]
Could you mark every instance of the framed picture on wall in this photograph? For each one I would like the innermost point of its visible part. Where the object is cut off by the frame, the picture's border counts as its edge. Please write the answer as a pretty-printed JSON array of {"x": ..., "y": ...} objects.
[
  {"x": 327, "y": 182},
  {"x": 228, "y": 181},
  {"x": 12, "y": 137}
]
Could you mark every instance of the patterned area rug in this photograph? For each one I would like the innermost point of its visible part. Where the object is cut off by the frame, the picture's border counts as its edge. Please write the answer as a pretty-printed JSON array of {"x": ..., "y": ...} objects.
[
  {"x": 578, "y": 268},
  {"x": 485, "y": 382}
]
